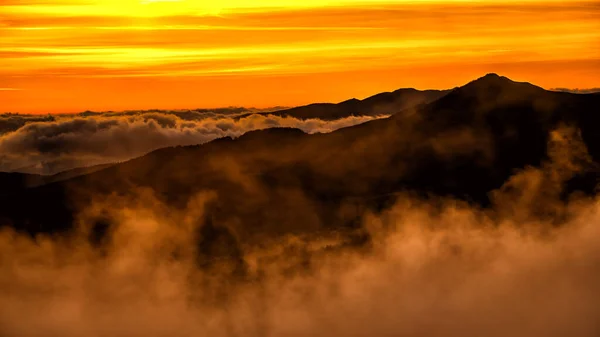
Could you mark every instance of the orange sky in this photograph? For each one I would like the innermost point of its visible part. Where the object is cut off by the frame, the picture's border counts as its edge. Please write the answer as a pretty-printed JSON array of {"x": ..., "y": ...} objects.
[{"x": 75, "y": 55}]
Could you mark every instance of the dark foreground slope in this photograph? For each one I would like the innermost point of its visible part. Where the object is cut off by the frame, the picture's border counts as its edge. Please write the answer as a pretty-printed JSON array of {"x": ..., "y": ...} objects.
[{"x": 465, "y": 145}]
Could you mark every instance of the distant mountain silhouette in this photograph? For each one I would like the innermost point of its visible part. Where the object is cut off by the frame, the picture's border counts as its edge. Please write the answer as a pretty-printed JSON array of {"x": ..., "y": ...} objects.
[
  {"x": 381, "y": 104},
  {"x": 465, "y": 144}
]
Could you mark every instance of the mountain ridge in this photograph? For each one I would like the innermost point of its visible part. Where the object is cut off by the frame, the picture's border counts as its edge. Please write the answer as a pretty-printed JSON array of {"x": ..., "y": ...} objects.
[
  {"x": 458, "y": 145},
  {"x": 385, "y": 103}
]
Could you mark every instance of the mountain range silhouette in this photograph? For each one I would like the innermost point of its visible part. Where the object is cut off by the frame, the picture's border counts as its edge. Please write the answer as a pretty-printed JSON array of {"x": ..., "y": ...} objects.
[{"x": 462, "y": 143}]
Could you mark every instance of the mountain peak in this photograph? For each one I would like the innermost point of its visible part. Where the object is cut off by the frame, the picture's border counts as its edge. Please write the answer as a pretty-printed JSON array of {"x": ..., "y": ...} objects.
[
  {"x": 494, "y": 83},
  {"x": 492, "y": 75},
  {"x": 489, "y": 90},
  {"x": 493, "y": 78}
]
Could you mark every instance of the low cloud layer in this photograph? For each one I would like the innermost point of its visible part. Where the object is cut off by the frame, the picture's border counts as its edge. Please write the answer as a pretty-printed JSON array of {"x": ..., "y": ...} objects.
[
  {"x": 578, "y": 91},
  {"x": 432, "y": 270},
  {"x": 50, "y": 144}
]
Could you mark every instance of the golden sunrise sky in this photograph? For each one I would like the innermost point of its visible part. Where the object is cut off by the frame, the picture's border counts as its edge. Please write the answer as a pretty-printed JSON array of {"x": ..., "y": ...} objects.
[{"x": 75, "y": 55}]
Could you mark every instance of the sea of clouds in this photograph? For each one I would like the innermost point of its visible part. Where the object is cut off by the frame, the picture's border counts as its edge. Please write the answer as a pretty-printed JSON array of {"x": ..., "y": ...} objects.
[{"x": 54, "y": 143}]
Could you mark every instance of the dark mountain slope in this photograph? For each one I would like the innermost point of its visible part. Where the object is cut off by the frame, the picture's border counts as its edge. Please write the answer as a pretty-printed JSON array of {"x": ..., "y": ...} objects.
[
  {"x": 466, "y": 144},
  {"x": 509, "y": 122},
  {"x": 11, "y": 182}
]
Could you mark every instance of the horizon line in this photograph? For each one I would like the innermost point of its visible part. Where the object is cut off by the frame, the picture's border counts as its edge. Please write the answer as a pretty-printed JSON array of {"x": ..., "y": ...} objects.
[{"x": 592, "y": 90}]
